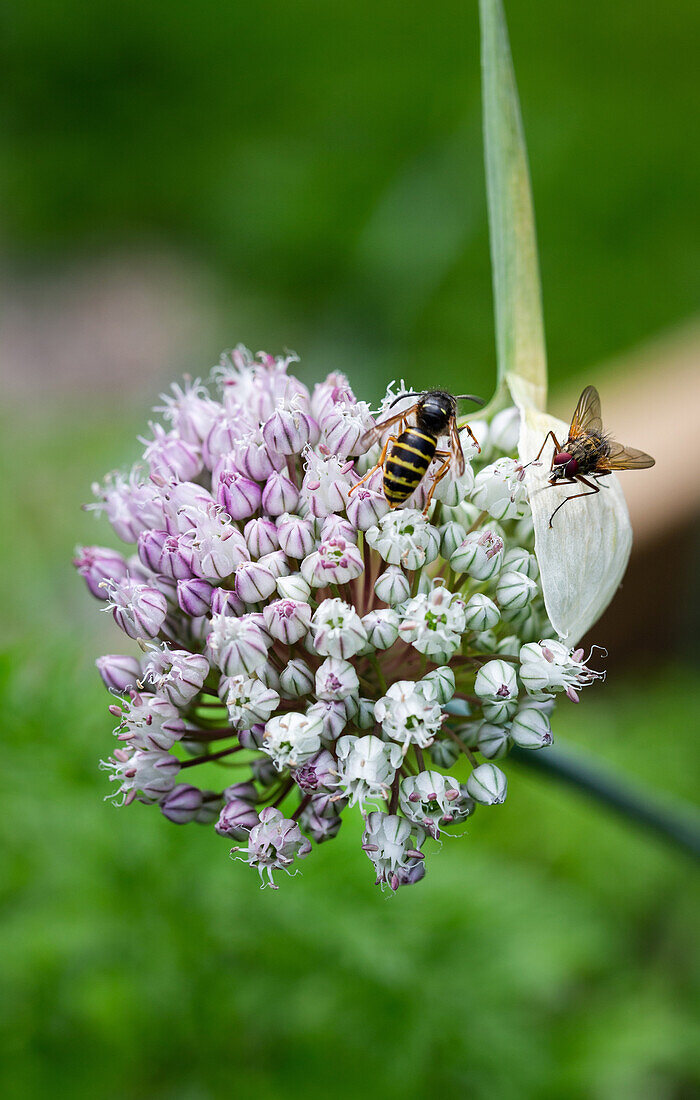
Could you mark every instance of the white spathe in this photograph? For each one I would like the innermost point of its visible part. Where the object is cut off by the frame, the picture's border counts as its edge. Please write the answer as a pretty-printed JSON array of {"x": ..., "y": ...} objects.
[{"x": 583, "y": 556}]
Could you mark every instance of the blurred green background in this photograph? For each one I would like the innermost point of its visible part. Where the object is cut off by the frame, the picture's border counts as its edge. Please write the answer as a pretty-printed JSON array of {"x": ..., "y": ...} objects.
[{"x": 309, "y": 175}]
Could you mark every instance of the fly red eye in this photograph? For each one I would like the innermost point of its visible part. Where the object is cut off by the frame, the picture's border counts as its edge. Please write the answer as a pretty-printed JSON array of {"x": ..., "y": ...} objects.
[
  {"x": 561, "y": 458},
  {"x": 571, "y": 467}
]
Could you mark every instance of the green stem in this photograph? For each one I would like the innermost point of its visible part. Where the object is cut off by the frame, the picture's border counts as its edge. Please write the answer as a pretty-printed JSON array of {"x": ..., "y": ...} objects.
[{"x": 679, "y": 825}]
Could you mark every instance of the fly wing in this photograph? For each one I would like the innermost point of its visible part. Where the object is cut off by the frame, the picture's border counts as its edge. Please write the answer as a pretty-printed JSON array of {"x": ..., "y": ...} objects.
[
  {"x": 586, "y": 416},
  {"x": 620, "y": 457}
]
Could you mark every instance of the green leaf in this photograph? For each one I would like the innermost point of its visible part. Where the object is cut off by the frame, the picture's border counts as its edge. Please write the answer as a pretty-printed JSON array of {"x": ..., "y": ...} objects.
[{"x": 522, "y": 363}]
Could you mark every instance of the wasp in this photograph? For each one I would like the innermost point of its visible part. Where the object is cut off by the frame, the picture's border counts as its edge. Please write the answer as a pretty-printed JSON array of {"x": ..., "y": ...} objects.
[
  {"x": 589, "y": 451},
  {"x": 406, "y": 457}
]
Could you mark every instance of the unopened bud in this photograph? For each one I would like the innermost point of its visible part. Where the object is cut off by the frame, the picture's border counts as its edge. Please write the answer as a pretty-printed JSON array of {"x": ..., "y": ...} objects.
[
  {"x": 481, "y": 613},
  {"x": 119, "y": 673},
  {"x": 514, "y": 590},
  {"x": 531, "y": 728},
  {"x": 488, "y": 785},
  {"x": 182, "y": 804},
  {"x": 392, "y": 587}
]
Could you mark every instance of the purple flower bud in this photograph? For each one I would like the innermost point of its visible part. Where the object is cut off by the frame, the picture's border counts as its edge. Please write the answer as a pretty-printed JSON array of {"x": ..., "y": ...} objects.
[
  {"x": 181, "y": 501},
  {"x": 170, "y": 457},
  {"x": 334, "y": 717},
  {"x": 337, "y": 527},
  {"x": 99, "y": 565},
  {"x": 296, "y": 679},
  {"x": 287, "y": 620},
  {"x": 194, "y": 597},
  {"x": 119, "y": 673},
  {"x": 277, "y": 563},
  {"x": 249, "y": 739},
  {"x": 254, "y": 583},
  {"x": 344, "y": 423},
  {"x": 236, "y": 819},
  {"x": 287, "y": 431},
  {"x": 150, "y": 548},
  {"x": 320, "y": 773},
  {"x": 223, "y": 437},
  {"x": 177, "y": 558},
  {"x": 365, "y": 508},
  {"x": 130, "y": 504},
  {"x": 261, "y": 537},
  {"x": 280, "y": 494},
  {"x": 320, "y": 820},
  {"x": 254, "y": 460},
  {"x": 182, "y": 804},
  {"x": 245, "y": 791},
  {"x": 138, "y": 610},
  {"x": 210, "y": 808},
  {"x": 296, "y": 535},
  {"x": 224, "y": 602},
  {"x": 334, "y": 389},
  {"x": 237, "y": 494}
]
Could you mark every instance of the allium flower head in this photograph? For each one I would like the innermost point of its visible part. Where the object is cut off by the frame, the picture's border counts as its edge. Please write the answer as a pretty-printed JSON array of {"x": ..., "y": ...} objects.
[{"x": 318, "y": 635}]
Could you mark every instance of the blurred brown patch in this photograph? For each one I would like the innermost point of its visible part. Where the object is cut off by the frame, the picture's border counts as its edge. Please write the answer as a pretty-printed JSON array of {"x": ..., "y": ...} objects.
[
  {"x": 115, "y": 325},
  {"x": 651, "y": 400}
]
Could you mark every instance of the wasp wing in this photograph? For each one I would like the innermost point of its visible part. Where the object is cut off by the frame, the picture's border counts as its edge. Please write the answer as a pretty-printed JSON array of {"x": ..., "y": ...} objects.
[
  {"x": 370, "y": 437},
  {"x": 620, "y": 457},
  {"x": 586, "y": 416},
  {"x": 456, "y": 446}
]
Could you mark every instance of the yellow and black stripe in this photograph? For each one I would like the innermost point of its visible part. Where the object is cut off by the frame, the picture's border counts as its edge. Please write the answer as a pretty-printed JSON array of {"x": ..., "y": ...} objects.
[{"x": 406, "y": 464}]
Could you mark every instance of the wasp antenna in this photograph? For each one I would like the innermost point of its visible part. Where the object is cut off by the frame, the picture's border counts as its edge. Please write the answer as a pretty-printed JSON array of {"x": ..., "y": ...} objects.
[
  {"x": 400, "y": 397},
  {"x": 470, "y": 397}
]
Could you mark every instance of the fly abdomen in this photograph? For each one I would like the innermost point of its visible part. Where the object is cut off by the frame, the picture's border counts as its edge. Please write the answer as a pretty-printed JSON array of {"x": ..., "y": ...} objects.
[{"x": 407, "y": 464}]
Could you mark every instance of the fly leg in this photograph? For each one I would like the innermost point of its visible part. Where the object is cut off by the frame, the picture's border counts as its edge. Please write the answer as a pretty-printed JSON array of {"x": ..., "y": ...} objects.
[
  {"x": 592, "y": 489},
  {"x": 557, "y": 446},
  {"x": 446, "y": 456}
]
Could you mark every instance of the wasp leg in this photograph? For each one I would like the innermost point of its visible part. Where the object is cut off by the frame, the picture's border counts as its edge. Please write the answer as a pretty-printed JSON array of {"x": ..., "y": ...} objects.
[
  {"x": 593, "y": 489},
  {"x": 439, "y": 474},
  {"x": 382, "y": 460},
  {"x": 473, "y": 438}
]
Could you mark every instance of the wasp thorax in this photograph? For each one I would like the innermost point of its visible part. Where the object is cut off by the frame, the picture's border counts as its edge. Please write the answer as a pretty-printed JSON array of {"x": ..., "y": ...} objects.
[{"x": 435, "y": 412}]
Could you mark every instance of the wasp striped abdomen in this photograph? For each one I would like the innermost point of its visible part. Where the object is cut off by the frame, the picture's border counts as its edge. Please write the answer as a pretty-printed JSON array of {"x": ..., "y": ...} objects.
[{"x": 406, "y": 464}]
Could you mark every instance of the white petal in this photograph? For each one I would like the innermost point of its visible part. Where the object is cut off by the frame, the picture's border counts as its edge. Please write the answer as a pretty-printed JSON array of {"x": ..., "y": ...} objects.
[{"x": 583, "y": 557}]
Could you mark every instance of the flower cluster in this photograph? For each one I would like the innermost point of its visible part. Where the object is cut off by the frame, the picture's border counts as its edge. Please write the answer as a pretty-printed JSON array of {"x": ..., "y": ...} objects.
[{"x": 308, "y": 639}]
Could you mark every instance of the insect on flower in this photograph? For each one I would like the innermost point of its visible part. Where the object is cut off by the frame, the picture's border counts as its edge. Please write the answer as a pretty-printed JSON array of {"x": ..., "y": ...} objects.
[
  {"x": 406, "y": 457},
  {"x": 589, "y": 451}
]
